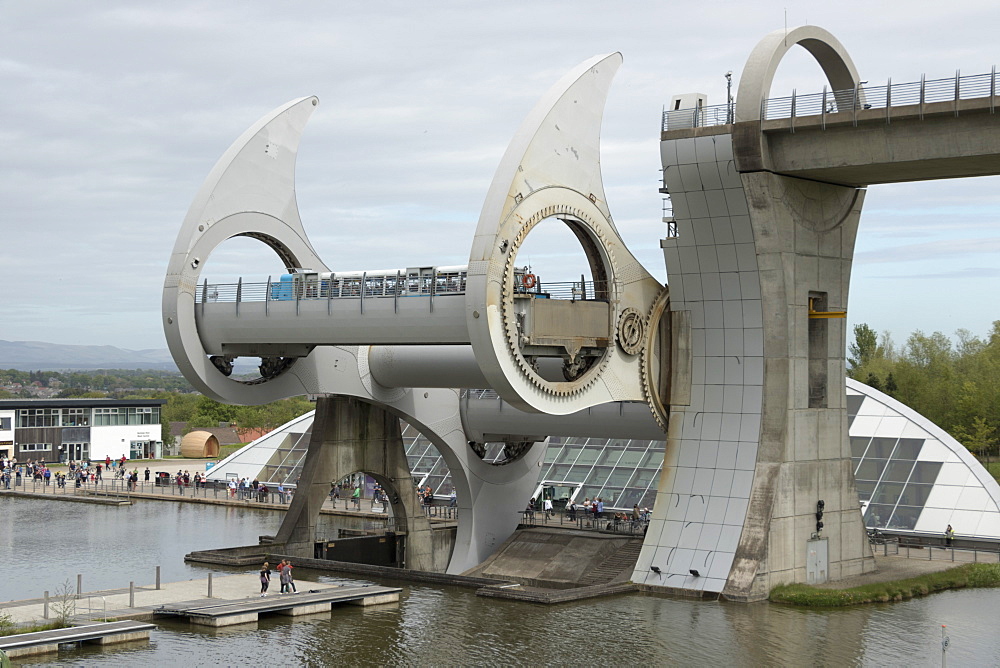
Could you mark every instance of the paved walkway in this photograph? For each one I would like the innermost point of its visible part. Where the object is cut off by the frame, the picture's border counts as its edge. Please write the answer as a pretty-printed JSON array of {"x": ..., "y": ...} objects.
[
  {"x": 92, "y": 605},
  {"x": 207, "y": 495},
  {"x": 900, "y": 567}
]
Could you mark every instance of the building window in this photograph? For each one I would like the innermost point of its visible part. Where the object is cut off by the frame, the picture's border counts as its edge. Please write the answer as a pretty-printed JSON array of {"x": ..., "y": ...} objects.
[
  {"x": 75, "y": 417},
  {"x": 105, "y": 417},
  {"x": 35, "y": 447},
  {"x": 5, "y": 423},
  {"x": 75, "y": 451},
  {"x": 38, "y": 417},
  {"x": 109, "y": 417},
  {"x": 142, "y": 415}
]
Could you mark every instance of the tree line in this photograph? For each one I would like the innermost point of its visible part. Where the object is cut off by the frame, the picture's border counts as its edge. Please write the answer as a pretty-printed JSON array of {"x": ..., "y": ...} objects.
[
  {"x": 106, "y": 382},
  {"x": 184, "y": 404},
  {"x": 200, "y": 412},
  {"x": 956, "y": 384}
]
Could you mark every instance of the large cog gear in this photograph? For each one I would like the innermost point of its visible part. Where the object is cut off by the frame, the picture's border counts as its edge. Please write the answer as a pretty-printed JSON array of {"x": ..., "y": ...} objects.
[
  {"x": 509, "y": 317},
  {"x": 631, "y": 331},
  {"x": 661, "y": 413}
]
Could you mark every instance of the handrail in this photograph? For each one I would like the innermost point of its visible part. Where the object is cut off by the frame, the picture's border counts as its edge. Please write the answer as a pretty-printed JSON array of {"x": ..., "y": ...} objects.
[
  {"x": 243, "y": 292},
  {"x": 924, "y": 91}
]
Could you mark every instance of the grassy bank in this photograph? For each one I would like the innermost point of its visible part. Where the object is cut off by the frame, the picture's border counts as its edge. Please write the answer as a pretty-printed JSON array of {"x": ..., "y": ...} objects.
[
  {"x": 967, "y": 575},
  {"x": 993, "y": 468},
  {"x": 15, "y": 629}
]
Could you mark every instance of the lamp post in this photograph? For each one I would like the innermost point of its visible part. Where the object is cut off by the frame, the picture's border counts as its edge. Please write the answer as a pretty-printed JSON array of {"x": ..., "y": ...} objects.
[{"x": 729, "y": 97}]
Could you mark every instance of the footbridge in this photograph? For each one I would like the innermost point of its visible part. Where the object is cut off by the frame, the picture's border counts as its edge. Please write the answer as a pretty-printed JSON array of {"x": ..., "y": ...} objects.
[
  {"x": 744, "y": 352},
  {"x": 858, "y": 135}
]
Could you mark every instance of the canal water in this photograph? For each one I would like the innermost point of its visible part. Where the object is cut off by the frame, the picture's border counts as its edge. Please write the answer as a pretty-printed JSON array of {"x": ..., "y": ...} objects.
[{"x": 44, "y": 543}]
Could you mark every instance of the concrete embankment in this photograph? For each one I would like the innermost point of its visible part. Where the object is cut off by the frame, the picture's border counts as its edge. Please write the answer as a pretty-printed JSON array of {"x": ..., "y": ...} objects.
[
  {"x": 536, "y": 565},
  {"x": 73, "y": 498}
]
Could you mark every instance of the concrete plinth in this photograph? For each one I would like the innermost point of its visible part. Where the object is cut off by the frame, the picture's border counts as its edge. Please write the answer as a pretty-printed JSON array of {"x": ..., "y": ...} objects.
[
  {"x": 381, "y": 599},
  {"x": 228, "y": 620},
  {"x": 120, "y": 638},
  {"x": 305, "y": 609},
  {"x": 31, "y": 651}
]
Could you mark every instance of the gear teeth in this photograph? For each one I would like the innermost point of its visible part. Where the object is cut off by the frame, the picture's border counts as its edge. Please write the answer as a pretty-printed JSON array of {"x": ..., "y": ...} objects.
[
  {"x": 660, "y": 304},
  {"x": 513, "y": 347}
]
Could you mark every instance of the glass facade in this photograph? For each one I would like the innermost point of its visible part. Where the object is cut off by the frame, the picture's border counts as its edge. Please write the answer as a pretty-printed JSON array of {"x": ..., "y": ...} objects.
[
  {"x": 910, "y": 475},
  {"x": 81, "y": 417},
  {"x": 108, "y": 417},
  {"x": 75, "y": 417},
  {"x": 38, "y": 417}
]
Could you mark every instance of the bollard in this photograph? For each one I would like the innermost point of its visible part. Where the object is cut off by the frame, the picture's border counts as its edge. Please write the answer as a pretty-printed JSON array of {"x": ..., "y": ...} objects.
[
  {"x": 45, "y": 610},
  {"x": 79, "y": 584},
  {"x": 210, "y": 585},
  {"x": 131, "y": 594},
  {"x": 157, "y": 577}
]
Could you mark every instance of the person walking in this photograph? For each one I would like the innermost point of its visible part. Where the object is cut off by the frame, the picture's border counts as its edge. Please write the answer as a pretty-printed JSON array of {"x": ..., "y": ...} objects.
[
  {"x": 356, "y": 497},
  {"x": 281, "y": 577},
  {"x": 265, "y": 579},
  {"x": 289, "y": 578},
  {"x": 949, "y": 536}
]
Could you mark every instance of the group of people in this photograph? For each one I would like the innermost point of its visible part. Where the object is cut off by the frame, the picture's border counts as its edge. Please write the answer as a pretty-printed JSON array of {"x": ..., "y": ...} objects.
[
  {"x": 425, "y": 495},
  {"x": 255, "y": 489},
  {"x": 378, "y": 495},
  {"x": 184, "y": 479},
  {"x": 81, "y": 473},
  {"x": 591, "y": 510},
  {"x": 285, "y": 577}
]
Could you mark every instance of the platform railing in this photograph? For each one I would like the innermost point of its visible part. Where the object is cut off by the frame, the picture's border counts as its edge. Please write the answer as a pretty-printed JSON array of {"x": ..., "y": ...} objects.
[
  {"x": 585, "y": 521},
  {"x": 240, "y": 292},
  {"x": 917, "y": 93}
]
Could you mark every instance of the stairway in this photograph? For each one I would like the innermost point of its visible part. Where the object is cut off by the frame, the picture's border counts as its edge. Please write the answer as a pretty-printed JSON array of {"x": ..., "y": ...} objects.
[{"x": 612, "y": 567}]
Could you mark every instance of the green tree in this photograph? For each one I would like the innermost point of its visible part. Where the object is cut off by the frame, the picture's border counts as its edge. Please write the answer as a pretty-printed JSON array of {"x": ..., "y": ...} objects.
[
  {"x": 979, "y": 439},
  {"x": 864, "y": 349}
]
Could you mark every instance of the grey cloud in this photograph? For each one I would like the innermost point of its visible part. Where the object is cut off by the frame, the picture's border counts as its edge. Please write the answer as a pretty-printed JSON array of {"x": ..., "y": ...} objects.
[
  {"x": 932, "y": 250},
  {"x": 115, "y": 112}
]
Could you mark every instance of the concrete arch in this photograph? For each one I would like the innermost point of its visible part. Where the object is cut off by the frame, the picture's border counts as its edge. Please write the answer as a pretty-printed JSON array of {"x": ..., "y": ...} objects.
[
  {"x": 351, "y": 435},
  {"x": 489, "y": 497},
  {"x": 758, "y": 73},
  {"x": 249, "y": 192}
]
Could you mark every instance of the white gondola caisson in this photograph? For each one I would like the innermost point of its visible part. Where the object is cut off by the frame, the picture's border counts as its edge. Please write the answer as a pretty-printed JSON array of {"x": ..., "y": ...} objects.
[{"x": 409, "y": 282}]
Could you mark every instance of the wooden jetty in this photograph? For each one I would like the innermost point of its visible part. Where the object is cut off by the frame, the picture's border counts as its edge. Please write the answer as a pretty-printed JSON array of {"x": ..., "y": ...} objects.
[
  {"x": 43, "y": 642},
  {"x": 215, "y": 612}
]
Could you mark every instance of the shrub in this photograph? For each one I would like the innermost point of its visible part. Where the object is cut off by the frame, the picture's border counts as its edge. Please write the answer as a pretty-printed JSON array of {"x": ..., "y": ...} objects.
[{"x": 967, "y": 575}]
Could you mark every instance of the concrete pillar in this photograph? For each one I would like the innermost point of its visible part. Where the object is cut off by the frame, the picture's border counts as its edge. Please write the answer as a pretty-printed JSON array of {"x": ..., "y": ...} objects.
[
  {"x": 765, "y": 437},
  {"x": 348, "y": 436}
]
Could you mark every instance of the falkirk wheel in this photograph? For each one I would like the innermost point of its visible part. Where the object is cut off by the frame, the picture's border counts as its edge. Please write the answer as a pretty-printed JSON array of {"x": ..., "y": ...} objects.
[{"x": 736, "y": 508}]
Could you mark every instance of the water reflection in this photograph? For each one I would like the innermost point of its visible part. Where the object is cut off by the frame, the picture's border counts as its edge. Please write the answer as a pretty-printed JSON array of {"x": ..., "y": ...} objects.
[
  {"x": 451, "y": 626},
  {"x": 111, "y": 545}
]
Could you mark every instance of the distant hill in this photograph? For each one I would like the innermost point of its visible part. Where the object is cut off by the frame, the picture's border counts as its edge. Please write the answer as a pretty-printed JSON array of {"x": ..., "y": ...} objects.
[{"x": 38, "y": 355}]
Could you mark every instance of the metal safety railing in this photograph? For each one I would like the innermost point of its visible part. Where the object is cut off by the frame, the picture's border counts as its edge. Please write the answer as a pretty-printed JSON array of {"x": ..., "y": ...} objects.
[
  {"x": 241, "y": 292},
  {"x": 585, "y": 521},
  {"x": 946, "y": 552},
  {"x": 915, "y": 93},
  {"x": 698, "y": 117}
]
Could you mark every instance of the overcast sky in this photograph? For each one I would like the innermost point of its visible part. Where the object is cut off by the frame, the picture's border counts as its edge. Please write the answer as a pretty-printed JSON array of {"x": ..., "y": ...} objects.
[{"x": 114, "y": 113}]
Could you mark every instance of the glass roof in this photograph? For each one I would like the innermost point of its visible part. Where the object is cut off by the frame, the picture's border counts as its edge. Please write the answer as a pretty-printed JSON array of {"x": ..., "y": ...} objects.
[{"x": 910, "y": 475}]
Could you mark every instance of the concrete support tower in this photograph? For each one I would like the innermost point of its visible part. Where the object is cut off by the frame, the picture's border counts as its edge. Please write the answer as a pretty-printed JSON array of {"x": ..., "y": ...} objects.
[{"x": 760, "y": 261}]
